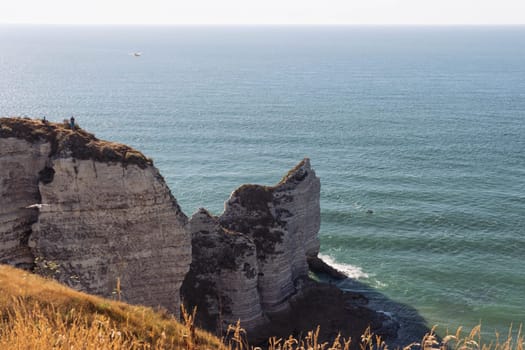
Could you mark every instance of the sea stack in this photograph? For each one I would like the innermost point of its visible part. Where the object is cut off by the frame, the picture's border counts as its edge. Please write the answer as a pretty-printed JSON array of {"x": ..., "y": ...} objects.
[{"x": 250, "y": 260}]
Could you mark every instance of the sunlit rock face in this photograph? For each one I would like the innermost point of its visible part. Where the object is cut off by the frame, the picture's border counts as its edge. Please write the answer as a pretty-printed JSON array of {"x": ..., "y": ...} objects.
[
  {"x": 107, "y": 222},
  {"x": 103, "y": 215},
  {"x": 278, "y": 228},
  {"x": 283, "y": 222}
]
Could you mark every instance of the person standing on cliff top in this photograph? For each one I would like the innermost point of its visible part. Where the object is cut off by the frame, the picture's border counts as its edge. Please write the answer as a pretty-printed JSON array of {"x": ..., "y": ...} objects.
[{"x": 72, "y": 123}]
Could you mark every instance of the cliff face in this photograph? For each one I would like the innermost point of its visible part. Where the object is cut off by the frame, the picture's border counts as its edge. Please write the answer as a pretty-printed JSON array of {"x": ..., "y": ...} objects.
[
  {"x": 224, "y": 275},
  {"x": 20, "y": 164},
  {"x": 105, "y": 214},
  {"x": 254, "y": 255},
  {"x": 283, "y": 222}
]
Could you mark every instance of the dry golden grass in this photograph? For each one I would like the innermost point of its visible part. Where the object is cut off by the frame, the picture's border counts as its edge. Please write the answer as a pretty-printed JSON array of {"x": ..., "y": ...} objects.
[
  {"x": 473, "y": 341},
  {"x": 38, "y": 313}
]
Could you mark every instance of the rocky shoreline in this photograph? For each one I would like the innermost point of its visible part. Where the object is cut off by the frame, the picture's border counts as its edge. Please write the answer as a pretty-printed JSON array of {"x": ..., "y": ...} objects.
[
  {"x": 102, "y": 213},
  {"x": 398, "y": 324}
]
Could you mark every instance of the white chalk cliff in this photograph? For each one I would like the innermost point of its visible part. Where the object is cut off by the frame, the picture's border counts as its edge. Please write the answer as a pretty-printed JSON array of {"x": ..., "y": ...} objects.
[{"x": 105, "y": 214}]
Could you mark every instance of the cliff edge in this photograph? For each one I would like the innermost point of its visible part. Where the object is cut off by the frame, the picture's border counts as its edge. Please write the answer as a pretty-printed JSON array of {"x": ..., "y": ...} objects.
[{"x": 95, "y": 215}]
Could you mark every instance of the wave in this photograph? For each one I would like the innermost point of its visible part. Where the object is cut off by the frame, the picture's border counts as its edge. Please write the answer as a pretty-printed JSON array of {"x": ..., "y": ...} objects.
[{"x": 351, "y": 271}]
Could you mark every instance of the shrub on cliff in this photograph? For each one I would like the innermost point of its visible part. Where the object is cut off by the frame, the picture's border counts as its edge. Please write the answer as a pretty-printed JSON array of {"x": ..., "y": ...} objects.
[{"x": 77, "y": 143}]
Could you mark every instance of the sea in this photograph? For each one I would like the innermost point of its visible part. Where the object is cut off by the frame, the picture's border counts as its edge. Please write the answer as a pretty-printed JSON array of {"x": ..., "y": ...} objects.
[{"x": 417, "y": 135}]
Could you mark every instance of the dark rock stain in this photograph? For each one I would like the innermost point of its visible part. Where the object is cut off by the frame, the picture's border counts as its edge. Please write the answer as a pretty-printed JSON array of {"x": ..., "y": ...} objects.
[{"x": 46, "y": 175}]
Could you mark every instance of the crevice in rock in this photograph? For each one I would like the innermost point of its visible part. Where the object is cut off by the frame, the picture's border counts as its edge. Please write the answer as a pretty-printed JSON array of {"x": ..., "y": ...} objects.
[
  {"x": 29, "y": 264},
  {"x": 45, "y": 176}
]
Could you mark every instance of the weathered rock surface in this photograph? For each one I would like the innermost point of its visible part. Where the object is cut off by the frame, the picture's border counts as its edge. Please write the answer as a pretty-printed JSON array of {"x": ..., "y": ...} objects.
[
  {"x": 252, "y": 262},
  {"x": 317, "y": 265},
  {"x": 252, "y": 257},
  {"x": 20, "y": 164},
  {"x": 106, "y": 214},
  {"x": 223, "y": 279},
  {"x": 325, "y": 306},
  {"x": 283, "y": 222}
]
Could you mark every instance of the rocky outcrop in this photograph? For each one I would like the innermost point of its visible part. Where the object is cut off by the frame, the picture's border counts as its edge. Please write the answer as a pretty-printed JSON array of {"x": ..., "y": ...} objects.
[
  {"x": 317, "y": 265},
  {"x": 325, "y": 306},
  {"x": 91, "y": 213},
  {"x": 253, "y": 256},
  {"x": 283, "y": 222}
]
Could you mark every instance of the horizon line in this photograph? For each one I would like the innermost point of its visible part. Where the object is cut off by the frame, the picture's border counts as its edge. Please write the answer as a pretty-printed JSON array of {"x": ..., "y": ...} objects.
[{"x": 268, "y": 24}]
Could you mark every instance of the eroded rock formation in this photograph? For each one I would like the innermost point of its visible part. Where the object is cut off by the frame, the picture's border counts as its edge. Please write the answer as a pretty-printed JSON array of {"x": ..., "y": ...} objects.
[
  {"x": 248, "y": 262},
  {"x": 251, "y": 264},
  {"x": 283, "y": 222},
  {"x": 89, "y": 213}
]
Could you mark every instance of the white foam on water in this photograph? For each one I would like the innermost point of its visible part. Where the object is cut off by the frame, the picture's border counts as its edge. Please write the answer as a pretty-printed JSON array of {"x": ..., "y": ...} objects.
[
  {"x": 379, "y": 284},
  {"x": 351, "y": 271}
]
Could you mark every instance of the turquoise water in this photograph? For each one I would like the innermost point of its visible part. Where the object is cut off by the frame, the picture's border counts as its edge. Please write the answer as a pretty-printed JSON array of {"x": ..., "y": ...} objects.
[{"x": 423, "y": 126}]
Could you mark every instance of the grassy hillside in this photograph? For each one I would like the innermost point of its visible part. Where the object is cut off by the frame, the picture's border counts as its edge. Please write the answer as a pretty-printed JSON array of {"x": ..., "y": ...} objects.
[{"x": 38, "y": 313}]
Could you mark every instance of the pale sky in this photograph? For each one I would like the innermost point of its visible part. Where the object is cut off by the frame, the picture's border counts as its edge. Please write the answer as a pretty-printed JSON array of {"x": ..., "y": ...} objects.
[{"x": 263, "y": 11}]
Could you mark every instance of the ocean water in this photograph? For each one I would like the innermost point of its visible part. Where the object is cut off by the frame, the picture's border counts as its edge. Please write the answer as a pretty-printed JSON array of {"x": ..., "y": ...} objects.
[{"x": 423, "y": 126}]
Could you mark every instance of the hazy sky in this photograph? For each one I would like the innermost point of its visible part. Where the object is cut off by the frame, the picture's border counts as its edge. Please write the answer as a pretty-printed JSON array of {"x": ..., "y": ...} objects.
[{"x": 263, "y": 11}]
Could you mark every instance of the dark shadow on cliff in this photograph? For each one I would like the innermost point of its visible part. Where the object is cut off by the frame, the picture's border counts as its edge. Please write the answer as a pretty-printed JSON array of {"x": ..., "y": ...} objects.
[
  {"x": 337, "y": 305},
  {"x": 399, "y": 324},
  {"x": 344, "y": 306}
]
